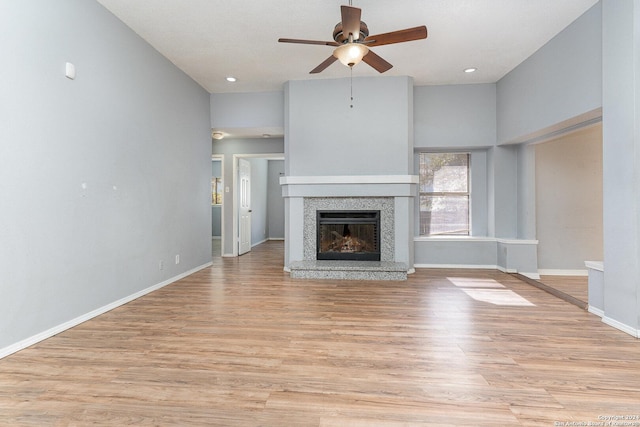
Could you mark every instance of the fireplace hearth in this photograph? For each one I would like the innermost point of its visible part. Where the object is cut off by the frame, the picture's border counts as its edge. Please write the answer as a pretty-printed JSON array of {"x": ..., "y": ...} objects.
[
  {"x": 350, "y": 235},
  {"x": 392, "y": 196}
]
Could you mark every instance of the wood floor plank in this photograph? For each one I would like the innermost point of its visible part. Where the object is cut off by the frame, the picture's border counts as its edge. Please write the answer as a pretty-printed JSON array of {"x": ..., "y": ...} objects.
[
  {"x": 243, "y": 344},
  {"x": 576, "y": 286}
]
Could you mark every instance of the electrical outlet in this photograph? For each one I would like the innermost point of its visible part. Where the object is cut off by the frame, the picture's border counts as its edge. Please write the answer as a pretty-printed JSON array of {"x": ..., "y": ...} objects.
[
  {"x": 161, "y": 265},
  {"x": 178, "y": 259}
]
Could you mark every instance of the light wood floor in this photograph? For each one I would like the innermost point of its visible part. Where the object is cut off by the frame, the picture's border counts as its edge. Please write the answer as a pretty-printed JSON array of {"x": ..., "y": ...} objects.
[
  {"x": 576, "y": 286},
  {"x": 242, "y": 344}
]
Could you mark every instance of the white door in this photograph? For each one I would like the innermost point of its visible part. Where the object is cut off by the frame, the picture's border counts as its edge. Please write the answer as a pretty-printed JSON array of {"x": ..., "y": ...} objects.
[{"x": 244, "y": 198}]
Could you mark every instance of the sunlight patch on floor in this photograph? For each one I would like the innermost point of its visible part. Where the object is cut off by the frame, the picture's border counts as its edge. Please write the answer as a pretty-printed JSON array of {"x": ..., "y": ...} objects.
[
  {"x": 471, "y": 282},
  {"x": 489, "y": 291}
]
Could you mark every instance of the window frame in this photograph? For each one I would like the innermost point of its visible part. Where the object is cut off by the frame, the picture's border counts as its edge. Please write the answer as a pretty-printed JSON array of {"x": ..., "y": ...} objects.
[{"x": 467, "y": 194}]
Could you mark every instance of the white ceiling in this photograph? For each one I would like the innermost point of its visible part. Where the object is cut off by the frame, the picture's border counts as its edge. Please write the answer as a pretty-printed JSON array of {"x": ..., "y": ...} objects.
[{"x": 212, "y": 39}]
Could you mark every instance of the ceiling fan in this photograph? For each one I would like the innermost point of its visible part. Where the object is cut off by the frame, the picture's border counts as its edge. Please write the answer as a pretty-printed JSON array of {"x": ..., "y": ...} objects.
[{"x": 352, "y": 41}]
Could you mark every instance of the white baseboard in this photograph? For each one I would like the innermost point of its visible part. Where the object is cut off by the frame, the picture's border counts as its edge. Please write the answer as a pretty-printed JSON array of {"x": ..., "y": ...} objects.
[
  {"x": 460, "y": 266},
  {"x": 20, "y": 345},
  {"x": 259, "y": 243},
  {"x": 216, "y": 237},
  {"x": 561, "y": 272},
  {"x": 506, "y": 270},
  {"x": 534, "y": 276},
  {"x": 621, "y": 326},
  {"x": 596, "y": 311},
  {"x": 276, "y": 238}
]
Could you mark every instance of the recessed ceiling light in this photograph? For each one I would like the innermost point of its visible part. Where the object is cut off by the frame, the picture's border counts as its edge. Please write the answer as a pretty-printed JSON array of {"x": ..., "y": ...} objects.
[
  {"x": 231, "y": 79},
  {"x": 470, "y": 70},
  {"x": 266, "y": 135},
  {"x": 217, "y": 135}
]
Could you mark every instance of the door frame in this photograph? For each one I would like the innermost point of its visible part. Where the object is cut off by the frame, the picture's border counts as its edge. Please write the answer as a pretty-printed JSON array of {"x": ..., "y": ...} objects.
[
  {"x": 220, "y": 158},
  {"x": 236, "y": 192}
]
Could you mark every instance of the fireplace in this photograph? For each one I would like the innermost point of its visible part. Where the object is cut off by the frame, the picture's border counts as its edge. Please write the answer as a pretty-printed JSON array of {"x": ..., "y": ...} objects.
[{"x": 348, "y": 235}]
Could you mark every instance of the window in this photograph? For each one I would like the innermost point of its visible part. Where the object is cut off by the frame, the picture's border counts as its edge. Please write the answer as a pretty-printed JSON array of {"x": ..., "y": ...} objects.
[
  {"x": 216, "y": 191},
  {"x": 444, "y": 194}
]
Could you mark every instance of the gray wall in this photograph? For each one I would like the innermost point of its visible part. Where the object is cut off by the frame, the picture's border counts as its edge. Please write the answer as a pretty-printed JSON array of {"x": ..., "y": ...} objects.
[
  {"x": 459, "y": 118},
  {"x": 216, "y": 221},
  {"x": 621, "y": 157},
  {"x": 247, "y": 110},
  {"x": 275, "y": 202},
  {"x": 569, "y": 200},
  {"x": 102, "y": 177},
  {"x": 562, "y": 80},
  {"x": 325, "y": 136},
  {"x": 462, "y": 116}
]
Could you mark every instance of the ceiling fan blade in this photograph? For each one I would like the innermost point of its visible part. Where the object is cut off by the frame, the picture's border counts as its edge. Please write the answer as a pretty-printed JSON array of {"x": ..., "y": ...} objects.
[
  {"x": 330, "y": 60},
  {"x": 399, "y": 36},
  {"x": 376, "y": 62},
  {"x": 300, "y": 41},
  {"x": 351, "y": 21}
]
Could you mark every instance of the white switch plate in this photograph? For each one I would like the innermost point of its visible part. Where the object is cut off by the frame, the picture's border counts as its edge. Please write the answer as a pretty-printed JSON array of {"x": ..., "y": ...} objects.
[{"x": 70, "y": 71}]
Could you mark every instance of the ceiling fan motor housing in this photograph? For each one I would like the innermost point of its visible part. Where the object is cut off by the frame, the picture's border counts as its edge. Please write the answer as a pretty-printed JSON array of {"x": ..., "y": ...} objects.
[
  {"x": 341, "y": 38},
  {"x": 352, "y": 41}
]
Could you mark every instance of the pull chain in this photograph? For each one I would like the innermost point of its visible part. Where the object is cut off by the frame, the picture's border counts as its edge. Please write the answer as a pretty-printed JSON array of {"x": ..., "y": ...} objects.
[
  {"x": 351, "y": 86},
  {"x": 351, "y": 74}
]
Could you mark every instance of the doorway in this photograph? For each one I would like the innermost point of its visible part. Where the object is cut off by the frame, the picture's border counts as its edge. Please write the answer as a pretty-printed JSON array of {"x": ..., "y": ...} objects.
[
  {"x": 217, "y": 199},
  {"x": 569, "y": 224},
  {"x": 266, "y": 202}
]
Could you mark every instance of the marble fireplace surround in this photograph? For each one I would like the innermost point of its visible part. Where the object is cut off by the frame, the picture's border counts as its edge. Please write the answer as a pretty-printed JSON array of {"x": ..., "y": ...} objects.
[
  {"x": 392, "y": 195},
  {"x": 382, "y": 204}
]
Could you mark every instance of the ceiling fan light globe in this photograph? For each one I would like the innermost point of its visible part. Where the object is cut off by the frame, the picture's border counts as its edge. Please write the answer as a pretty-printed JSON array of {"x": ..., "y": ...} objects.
[{"x": 350, "y": 54}]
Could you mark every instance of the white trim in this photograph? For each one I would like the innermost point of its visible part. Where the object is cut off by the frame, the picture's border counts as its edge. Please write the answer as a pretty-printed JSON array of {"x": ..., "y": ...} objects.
[
  {"x": 621, "y": 326},
  {"x": 460, "y": 266},
  {"x": 349, "y": 179},
  {"x": 453, "y": 239},
  {"x": 220, "y": 157},
  {"x": 411, "y": 270},
  {"x": 559, "y": 129},
  {"x": 475, "y": 239},
  {"x": 596, "y": 311},
  {"x": 216, "y": 237},
  {"x": 534, "y": 276},
  {"x": 506, "y": 270},
  {"x": 517, "y": 241},
  {"x": 266, "y": 156},
  {"x": 286, "y": 269},
  {"x": 275, "y": 238},
  {"x": 559, "y": 272},
  {"x": 594, "y": 265},
  {"x": 20, "y": 345}
]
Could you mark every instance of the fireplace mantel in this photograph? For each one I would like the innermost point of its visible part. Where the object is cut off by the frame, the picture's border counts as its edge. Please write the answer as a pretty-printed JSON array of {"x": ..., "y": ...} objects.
[
  {"x": 393, "y": 195},
  {"x": 350, "y": 179},
  {"x": 349, "y": 186}
]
